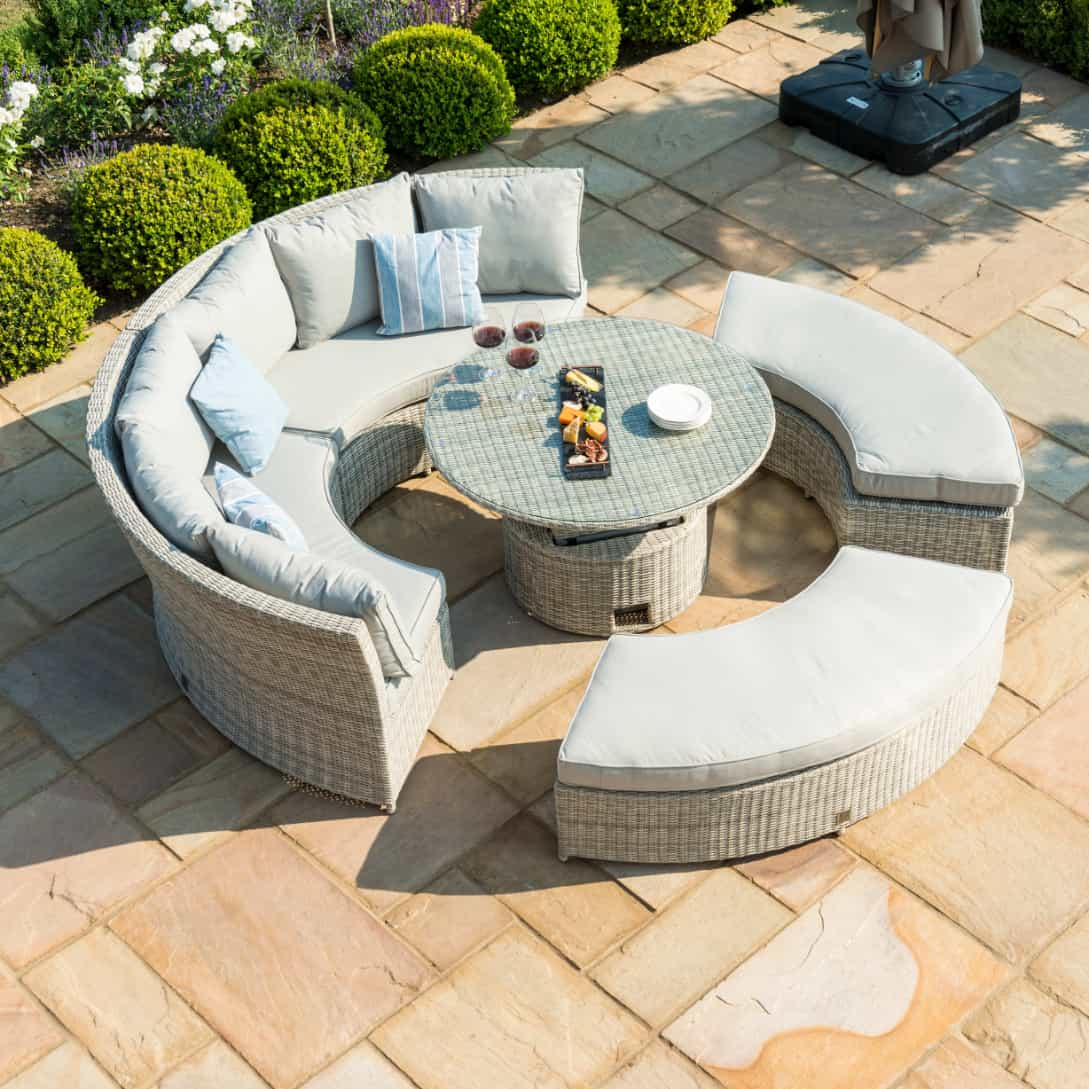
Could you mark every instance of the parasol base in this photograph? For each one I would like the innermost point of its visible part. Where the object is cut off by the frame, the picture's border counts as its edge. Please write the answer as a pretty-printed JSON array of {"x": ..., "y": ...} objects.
[{"x": 909, "y": 128}]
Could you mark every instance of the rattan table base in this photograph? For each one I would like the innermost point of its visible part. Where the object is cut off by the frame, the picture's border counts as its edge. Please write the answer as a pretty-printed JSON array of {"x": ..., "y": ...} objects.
[{"x": 622, "y": 584}]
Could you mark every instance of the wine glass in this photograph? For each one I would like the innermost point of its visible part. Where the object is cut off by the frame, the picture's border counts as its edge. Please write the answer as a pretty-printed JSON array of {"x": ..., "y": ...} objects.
[
  {"x": 529, "y": 329},
  {"x": 529, "y": 323},
  {"x": 490, "y": 332}
]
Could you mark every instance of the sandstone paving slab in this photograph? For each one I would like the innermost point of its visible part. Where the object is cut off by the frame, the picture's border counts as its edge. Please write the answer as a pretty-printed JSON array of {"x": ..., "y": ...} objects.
[
  {"x": 1055, "y": 470},
  {"x": 662, "y": 304},
  {"x": 445, "y": 809},
  {"x": 831, "y": 218},
  {"x": 1073, "y": 221},
  {"x": 607, "y": 179},
  {"x": 1080, "y": 279},
  {"x": 863, "y": 293},
  {"x": 1034, "y": 1037},
  {"x": 67, "y": 856},
  {"x": 1025, "y": 433},
  {"x": 68, "y": 1067},
  {"x": 64, "y": 419},
  {"x": 1039, "y": 374},
  {"x": 216, "y": 1067},
  {"x": 364, "y": 1067},
  {"x": 743, "y": 35},
  {"x": 572, "y": 905},
  {"x": 794, "y": 1013},
  {"x": 523, "y": 760},
  {"x": 37, "y": 484},
  {"x": 1046, "y": 658},
  {"x": 552, "y": 125},
  {"x": 77, "y": 574},
  {"x": 809, "y": 272},
  {"x": 1007, "y": 715},
  {"x": 18, "y": 624},
  {"x": 660, "y": 1067},
  {"x": 1064, "y": 307},
  {"x": 1052, "y": 753},
  {"x": 1079, "y": 505},
  {"x": 670, "y": 70},
  {"x": 79, "y": 366},
  {"x": 1042, "y": 91},
  {"x": 1030, "y": 175},
  {"x": 705, "y": 326},
  {"x": 69, "y": 520},
  {"x": 489, "y": 156},
  {"x": 732, "y": 243},
  {"x": 20, "y": 440},
  {"x": 591, "y": 208},
  {"x": 1063, "y": 967},
  {"x": 957, "y": 1065},
  {"x": 145, "y": 760},
  {"x": 26, "y": 761},
  {"x": 508, "y": 666},
  {"x": 800, "y": 875},
  {"x": 133, "y": 1024},
  {"x": 927, "y": 193},
  {"x": 27, "y": 1032},
  {"x": 512, "y": 1015},
  {"x": 1004, "y": 861},
  {"x": 659, "y": 207},
  {"x": 675, "y": 129},
  {"x": 762, "y": 70},
  {"x": 1005, "y": 61},
  {"x": 702, "y": 285},
  {"x": 690, "y": 945},
  {"x": 216, "y": 799},
  {"x": 1067, "y": 126},
  {"x": 288, "y": 968},
  {"x": 808, "y": 20},
  {"x": 449, "y": 919},
  {"x": 803, "y": 143},
  {"x": 735, "y": 166},
  {"x": 88, "y": 680},
  {"x": 709, "y": 611},
  {"x": 617, "y": 93},
  {"x": 949, "y": 339}
]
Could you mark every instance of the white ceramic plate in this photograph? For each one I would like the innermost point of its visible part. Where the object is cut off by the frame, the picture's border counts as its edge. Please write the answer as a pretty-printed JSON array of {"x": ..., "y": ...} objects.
[{"x": 678, "y": 407}]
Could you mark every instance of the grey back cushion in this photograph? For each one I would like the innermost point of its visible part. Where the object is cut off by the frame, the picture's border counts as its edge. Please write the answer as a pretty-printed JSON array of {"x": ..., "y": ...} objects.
[
  {"x": 165, "y": 442},
  {"x": 305, "y": 578},
  {"x": 327, "y": 261},
  {"x": 531, "y": 220},
  {"x": 243, "y": 296}
]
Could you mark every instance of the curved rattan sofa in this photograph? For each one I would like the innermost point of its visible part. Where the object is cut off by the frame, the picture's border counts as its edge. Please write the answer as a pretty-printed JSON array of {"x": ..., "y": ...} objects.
[
  {"x": 917, "y": 468},
  {"x": 301, "y": 689}
]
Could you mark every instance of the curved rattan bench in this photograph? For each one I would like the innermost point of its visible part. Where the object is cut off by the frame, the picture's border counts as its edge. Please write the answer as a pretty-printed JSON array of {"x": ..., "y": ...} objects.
[{"x": 301, "y": 689}]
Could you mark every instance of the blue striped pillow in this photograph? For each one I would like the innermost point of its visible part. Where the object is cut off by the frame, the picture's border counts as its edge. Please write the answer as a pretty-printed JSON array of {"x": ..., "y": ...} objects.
[{"x": 428, "y": 281}]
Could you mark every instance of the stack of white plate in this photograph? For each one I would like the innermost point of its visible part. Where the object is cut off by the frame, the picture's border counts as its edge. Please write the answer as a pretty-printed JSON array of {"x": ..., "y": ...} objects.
[{"x": 679, "y": 408}]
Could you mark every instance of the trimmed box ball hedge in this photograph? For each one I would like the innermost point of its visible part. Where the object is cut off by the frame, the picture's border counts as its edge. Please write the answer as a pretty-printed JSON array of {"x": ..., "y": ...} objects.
[
  {"x": 297, "y": 140},
  {"x": 142, "y": 215},
  {"x": 1054, "y": 31},
  {"x": 440, "y": 91},
  {"x": 44, "y": 304},
  {"x": 552, "y": 47},
  {"x": 672, "y": 22}
]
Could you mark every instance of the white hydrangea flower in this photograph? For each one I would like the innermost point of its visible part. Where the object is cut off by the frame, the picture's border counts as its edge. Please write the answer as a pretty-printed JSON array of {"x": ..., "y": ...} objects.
[
  {"x": 206, "y": 45},
  {"x": 222, "y": 20},
  {"x": 193, "y": 5},
  {"x": 156, "y": 69},
  {"x": 143, "y": 44},
  {"x": 37, "y": 142},
  {"x": 134, "y": 84},
  {"x": 181, "y": 40},
  {"x": 237, "y": 41},
  {"x": 218, "y": 65},
  {"x": 201, "y": 30},
  {"x": 20, "y": 95},
  {"x": 128, "y": 64},
  {"x": 8, "y": 117}
]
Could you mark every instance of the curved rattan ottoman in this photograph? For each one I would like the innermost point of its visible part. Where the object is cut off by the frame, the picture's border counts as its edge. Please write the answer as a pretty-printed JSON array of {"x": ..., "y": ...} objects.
[{"x": 300, "y": 689}]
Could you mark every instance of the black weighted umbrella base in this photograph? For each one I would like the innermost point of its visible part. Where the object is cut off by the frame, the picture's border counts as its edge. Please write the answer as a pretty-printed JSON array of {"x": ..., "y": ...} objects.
[{"x": 909, "y": 128}]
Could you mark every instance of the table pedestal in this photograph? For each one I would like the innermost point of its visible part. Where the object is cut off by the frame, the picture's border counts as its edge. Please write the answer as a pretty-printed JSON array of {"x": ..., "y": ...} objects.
[{"x": 622, "y": 584}]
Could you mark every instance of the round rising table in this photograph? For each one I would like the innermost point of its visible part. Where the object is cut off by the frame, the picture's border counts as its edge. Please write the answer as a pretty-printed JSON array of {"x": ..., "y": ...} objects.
[{"x": 624, "y": 553}]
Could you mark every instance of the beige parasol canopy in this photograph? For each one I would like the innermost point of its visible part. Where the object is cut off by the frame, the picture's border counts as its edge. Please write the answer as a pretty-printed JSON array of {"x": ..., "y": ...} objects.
[{"x": 946, "y": 34}]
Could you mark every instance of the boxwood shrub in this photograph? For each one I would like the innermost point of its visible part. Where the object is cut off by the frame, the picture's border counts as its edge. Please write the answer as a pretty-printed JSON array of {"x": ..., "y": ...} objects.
[
  {"x": 1054, "y": 31},
  {"x": 80, "y": 104},
  {"x": 440, "y": 91},
  {"x": 551, "y": 47},
  {"x": 44, "y": 304},
  {"x": 142, "y": 215},
  {"x": 297, "y": 140},
  {"x": 672, "y": 22}
]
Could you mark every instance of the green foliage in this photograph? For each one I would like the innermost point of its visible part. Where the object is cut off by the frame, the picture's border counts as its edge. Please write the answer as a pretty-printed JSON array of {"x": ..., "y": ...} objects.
[
  {"x": 290, "y": 154},
  {"x": 1053, "y": 31},
  {"x": 14, "y": 51},
  {"x": 44, "y": 304},
  {"x": 57, "y": 30},
  {"x": 552, "y": 47},
  {"x": 440, "y": 91},
  {"x": 672, "y": 22},
  {"x": 80, "y": 103},
  {"x": 142, "y": 215},
  {"x": 287, "y": 94}
]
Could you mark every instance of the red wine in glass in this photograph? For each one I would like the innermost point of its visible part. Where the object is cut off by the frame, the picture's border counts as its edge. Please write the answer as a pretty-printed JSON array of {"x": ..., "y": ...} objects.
[
  {"x": 529, "y": 332},
  {"x": 489, "y": 336},
  {"x": 522, "y": 359}
]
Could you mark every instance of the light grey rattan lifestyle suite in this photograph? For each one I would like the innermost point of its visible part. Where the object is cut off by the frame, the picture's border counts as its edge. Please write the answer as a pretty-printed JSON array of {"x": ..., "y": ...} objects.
[{"x": 301, "y": 689}]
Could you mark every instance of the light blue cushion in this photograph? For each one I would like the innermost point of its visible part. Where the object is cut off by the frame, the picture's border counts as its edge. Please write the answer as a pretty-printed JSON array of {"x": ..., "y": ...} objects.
[
  {"x": 239, "y": 405},
  {"x": 246, "y": 505},
  {"x": 428, "y": 281}
]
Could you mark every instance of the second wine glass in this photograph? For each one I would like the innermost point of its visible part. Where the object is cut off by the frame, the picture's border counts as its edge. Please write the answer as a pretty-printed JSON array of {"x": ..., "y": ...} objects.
[
  {"x": 529, "y": 329},
  {"x": 490, "y": 332}
]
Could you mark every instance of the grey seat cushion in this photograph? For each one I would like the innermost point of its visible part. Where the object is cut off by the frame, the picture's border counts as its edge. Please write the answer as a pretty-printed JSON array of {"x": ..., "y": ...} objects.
[
  {"x": 327, "y": 261},
  {"x": 913, "y": 422},
  {"x": 876, "y": 642},
  {"x": 531, "y": 220},
  {"x": 343, "y": 385},
  {"x": 243, "y": 296},
  {"x": 298, "y": 478},
  {"x": 164, "y": 440}
]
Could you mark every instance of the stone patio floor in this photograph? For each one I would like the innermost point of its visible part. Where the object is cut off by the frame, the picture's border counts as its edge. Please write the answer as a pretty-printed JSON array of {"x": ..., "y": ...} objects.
[{"x": 172, "y": 915}]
